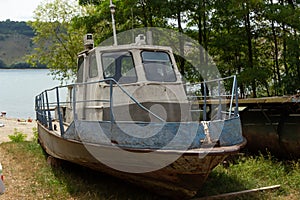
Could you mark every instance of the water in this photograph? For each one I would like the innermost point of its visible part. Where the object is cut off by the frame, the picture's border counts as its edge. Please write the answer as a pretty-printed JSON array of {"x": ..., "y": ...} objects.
[{"x": 18, "y": 88}]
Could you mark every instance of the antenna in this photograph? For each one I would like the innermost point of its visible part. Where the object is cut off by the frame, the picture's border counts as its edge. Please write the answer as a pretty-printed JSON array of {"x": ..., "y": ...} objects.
[
  {"x": 113, "y": 10},
  {"x": 132, "y": 24}
]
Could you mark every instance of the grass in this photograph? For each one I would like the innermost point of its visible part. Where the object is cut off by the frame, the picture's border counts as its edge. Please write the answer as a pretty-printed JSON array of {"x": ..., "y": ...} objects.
[
  {"x": 18, "y": 136},
  {"x": 26, "y": 163},
  {"x": 26, "y": 160},
  {"x": 250, "y": 172}
]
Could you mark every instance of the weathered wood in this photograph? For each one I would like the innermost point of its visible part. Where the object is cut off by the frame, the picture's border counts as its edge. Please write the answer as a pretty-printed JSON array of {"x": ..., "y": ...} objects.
[
  {"x": 266, "y": 100},
  {"x": 233, "y": 194},
  {"x": 263, "y": 100}
]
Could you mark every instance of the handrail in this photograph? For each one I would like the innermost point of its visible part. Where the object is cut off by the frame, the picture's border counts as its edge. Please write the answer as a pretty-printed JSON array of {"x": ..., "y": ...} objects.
[
  {"x": 201, "y": 87},
  {"x": 43, "y": 105}
]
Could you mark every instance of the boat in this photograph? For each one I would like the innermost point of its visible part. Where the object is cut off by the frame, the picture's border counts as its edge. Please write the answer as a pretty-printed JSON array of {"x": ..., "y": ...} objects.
[
  {"x": 130, "y": 114},
  {"x": 140, "y": 127},
  {"x": 274, "y": 121}
]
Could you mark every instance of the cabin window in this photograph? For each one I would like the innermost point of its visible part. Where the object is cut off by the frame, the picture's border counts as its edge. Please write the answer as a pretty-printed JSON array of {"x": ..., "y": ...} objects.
[
  {"x": 80, "y": 65},
  {"x": 93, "y": 70},
  {"x": 119, "y": 66},
  {"x": 158, "y": 66}
]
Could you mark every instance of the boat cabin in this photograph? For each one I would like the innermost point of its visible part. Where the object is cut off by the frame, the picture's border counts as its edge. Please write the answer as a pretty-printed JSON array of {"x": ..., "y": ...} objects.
[{"x": 148, "y": 73}]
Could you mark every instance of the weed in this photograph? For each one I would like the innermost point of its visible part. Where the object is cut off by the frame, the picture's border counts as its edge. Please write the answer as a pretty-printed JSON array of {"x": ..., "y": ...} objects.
[
  {"x": 35, "y": 134},
  {"x": 18, "y": 136}
]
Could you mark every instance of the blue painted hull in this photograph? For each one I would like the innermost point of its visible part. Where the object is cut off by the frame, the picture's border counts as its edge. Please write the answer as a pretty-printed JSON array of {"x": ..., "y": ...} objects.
[{"x": 183, "y": 135}]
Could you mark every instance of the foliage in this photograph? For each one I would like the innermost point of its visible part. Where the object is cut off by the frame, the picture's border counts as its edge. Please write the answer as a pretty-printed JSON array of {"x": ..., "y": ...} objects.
[
  {"x": 56, "y": 42},
  {"x": 18, "y": 136},
  {"x": 12, "y": 27},
  {"x": 35, "y": 134},
  {"x": 257, "y": 40},
  {"x": 15, "y": 42},
  {"x": 2, "y": 64}
]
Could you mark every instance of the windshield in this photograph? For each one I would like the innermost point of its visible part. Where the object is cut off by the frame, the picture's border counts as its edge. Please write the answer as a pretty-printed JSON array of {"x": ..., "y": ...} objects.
[
  {"x": 119, "y": 66},
  {"x": 158, "y": 66}
]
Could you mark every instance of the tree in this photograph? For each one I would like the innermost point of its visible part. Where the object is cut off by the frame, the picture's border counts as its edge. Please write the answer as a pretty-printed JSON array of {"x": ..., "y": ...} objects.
[
  {"x": 2, "y": 64},
  {"x": 129, "y": 14},
  {"x": 257, "y": 40},
  {"x": 56, "y": 41}
]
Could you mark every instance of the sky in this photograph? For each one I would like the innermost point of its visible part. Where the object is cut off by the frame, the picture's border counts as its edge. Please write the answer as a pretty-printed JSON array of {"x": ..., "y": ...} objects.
[{"x": 18, "y": 10}]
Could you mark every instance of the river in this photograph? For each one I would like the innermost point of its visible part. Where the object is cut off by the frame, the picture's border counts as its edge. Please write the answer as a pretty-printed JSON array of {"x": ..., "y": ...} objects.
[{"x": 18, "y": 88}]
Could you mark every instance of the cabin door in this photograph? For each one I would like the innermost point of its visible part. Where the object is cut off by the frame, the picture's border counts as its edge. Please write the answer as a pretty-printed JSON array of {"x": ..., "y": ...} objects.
[
  {"x": 91, "y": 93},
  {"x": 80, "y": 89}
]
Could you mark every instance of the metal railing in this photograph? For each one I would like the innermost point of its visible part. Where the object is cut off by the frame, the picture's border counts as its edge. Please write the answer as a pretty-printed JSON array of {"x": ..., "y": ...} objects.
[
  {"x": 45, "y": 106},
  {"x": 215, "y": 92},
  {"x": 204, "y": 93}
]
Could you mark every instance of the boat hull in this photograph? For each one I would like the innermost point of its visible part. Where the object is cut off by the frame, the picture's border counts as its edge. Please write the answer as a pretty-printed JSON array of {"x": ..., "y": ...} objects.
[
  {"x": 181, "y": 179},
  {"x": 275, "y": 124}
]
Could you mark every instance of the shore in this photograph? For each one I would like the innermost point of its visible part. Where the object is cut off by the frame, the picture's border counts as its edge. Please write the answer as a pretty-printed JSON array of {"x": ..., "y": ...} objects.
[{"x": 10, "y": 124}]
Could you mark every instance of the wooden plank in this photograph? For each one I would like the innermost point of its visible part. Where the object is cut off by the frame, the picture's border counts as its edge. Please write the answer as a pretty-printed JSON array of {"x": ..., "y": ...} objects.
[
  {"x": 263, "y": 100},
  {"x": 282, "y": 99},
  {"x": 233, "y": 194}
]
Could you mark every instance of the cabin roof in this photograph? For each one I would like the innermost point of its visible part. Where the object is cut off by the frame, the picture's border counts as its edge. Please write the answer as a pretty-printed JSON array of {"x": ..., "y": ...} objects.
[{"x": 129, "y": 47}]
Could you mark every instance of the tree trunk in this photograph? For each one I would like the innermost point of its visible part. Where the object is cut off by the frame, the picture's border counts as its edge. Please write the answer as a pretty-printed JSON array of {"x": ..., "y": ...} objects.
[
  {"x": 200, "y": 34},
  {"x": 180, "y": 29},
  {"x": 276, "y": 54},
  {"x": 250, "y": 51},
  {"x": 145, "y": 15},
  {"x": 284, "y": 46},
  {"x": 205, "y": 42}
]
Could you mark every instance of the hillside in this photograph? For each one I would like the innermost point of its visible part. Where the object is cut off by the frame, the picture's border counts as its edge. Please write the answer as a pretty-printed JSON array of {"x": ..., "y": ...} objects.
[{"x": 15, "y": 42}]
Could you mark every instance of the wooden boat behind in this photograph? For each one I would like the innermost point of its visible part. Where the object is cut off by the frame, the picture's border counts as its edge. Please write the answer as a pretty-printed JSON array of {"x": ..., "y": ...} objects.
[{"x": 130, "y": 115}]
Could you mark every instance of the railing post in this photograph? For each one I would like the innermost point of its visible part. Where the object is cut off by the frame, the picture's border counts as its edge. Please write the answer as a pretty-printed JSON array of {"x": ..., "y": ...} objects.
[
  {"x": 232, "y": 94},
  {"x": 37, "y": 110},
  {"x": 112, "y": 118},
  {"x": 236, "y": 110},
  {"x": 49, "y": 114},
  {"x": 74, "y": 103},
  {"x": 61, "y": 125},
  {"x": 219, "y": 94},
  {"x": 204, "y": 106},
  {"x": 44, "y": 116}
]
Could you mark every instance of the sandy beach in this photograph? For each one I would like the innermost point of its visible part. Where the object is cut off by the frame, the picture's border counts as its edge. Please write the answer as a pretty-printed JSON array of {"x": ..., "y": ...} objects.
[{"x": 22, "y": 125}]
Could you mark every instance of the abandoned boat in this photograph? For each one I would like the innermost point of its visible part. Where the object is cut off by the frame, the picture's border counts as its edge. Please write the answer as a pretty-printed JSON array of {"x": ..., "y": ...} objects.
[
  {"x": 275, "y": 122},
  {"x": 129, "y": 114}
]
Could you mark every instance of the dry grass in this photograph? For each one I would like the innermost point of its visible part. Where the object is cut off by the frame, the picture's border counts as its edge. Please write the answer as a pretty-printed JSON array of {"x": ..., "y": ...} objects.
[{"x": 28, "y": 176}]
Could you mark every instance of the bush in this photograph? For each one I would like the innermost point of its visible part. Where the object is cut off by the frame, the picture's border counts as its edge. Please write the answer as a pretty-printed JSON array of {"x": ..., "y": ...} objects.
[{"x": 18, "y": 136}]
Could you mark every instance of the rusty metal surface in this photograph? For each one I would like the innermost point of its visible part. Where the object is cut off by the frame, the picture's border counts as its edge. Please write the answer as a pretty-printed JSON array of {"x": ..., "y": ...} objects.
[{"x": 274, "y": 128}]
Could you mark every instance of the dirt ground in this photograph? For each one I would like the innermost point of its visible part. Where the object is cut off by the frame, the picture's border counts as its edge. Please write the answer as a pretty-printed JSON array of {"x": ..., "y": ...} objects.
[
  {"x": 16, "y": 179},
  {"x": 24, "y": 126}
]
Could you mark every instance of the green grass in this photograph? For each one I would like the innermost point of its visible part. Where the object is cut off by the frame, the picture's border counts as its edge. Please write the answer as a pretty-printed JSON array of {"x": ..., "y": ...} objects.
[
  {"x": 250, "y": 172},
  {"x": 18, "y": 136},
  {"x": 67, "y": 180},
  {"x": 70, "y": 181}
]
